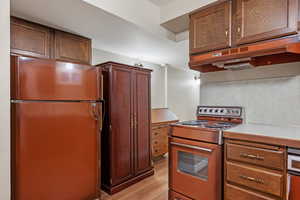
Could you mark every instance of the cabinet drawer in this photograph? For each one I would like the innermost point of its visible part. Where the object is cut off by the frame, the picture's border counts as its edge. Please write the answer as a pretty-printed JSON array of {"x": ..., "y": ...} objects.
[
  {"x": 159, "y": 151},
  {"x": 160, "y": 132},
  {"x": 176, "y": 196},
  {"x": 257, "y": 156},
  {"x": 158, "y": 143},
  {"x": 258, "y": 179},
  {"x": 232, "y": 192},
  {"x": 159, "y": 148}
]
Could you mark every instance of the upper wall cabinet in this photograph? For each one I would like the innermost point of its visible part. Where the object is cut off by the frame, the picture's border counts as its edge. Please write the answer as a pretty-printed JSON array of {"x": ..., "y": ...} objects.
[
  {"x": 210, "y": 28},
  {"x": 30, "y": 39},
  {"x": 234, "y": 22},
  {"x": 71, "y": 47},
  {"x": 257, "y": 20}
]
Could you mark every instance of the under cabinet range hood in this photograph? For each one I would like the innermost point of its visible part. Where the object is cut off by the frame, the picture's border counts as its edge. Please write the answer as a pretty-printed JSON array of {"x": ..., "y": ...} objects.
[{"x": 277, "y": 51}]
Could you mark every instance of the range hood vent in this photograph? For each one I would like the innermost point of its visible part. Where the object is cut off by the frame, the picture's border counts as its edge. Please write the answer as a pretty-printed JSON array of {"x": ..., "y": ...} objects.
[
  {"x": 278, "y": 51},
  {"x": 234, "y": 65}
]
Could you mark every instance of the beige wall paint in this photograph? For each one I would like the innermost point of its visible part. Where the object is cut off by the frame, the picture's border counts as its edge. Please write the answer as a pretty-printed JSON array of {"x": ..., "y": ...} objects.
[
  {"x": 270, "y": 95},
  {"x": 183, "y": 93},
  {"x": 5, "y": 100},
  {"x": 157, "y": 77}
]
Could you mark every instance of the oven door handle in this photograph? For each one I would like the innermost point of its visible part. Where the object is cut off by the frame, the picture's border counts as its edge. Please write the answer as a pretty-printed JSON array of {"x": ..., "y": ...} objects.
[{"x": 192, "y": 147}]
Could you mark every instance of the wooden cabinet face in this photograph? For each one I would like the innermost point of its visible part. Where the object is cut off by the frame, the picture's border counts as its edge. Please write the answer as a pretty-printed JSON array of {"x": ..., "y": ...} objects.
[
  {"x": 30, "y": 39},
  {"x": 142, "y": 115},
  {"x": 121, "y": 121},
  {"x": 210, "y": 28},
  {"x": 160, "y": 141},
  {"x": 257, "y": 20},
  {"x": 69, "y": 47}
]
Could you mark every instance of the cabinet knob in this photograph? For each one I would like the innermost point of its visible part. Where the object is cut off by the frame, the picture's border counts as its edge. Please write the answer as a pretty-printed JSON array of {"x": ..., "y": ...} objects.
[
  {"x": 226, "y": 33},
  {"x": 239, "y": 29}
]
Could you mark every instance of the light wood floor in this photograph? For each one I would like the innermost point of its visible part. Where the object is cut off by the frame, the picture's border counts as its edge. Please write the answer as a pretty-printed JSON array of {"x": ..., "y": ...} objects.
[{"x": 152, "y": 188}]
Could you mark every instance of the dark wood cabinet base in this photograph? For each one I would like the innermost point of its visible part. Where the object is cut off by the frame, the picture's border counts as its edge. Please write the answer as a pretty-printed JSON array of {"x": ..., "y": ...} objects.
[{"x": 117, "y": 188}]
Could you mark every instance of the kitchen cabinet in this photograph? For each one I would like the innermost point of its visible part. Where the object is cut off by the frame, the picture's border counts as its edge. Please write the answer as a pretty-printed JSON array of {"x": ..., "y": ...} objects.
[
  {"x": 162, "y": 118},
  {"x": 73, "y": 48},
  {"x": 256, "y": 20},
  {"x": 232, "y": 192},
  {"x": 210, "y": 28},
  {"x": 142, "y": 118},
  {"x": 235, "y": 22},
  {"x": 160, "y": 140},
  {"x": 126, "y": 150},
  {"x": 31, "y": 39},
  {"x": 254, "y": 171}
]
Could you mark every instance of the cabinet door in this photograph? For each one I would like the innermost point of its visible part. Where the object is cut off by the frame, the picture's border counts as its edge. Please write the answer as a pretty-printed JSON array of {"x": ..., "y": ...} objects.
[
  {"x": 142, "y": 122},
  {"x": 72, "y": 48},
  {"x": 210, "y": 28},
  {"x": 257, "y": 20},
  {"x": 30, "y": 39},
  {"x": 122, "y": 166}
]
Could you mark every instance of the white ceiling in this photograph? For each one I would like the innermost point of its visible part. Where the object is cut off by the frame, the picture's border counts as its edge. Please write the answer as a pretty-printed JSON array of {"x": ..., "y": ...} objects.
[{"x": 161, "y": 2}]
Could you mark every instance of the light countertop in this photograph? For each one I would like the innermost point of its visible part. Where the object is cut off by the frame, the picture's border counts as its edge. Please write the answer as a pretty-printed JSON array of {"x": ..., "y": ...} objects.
[{"x": 276, "y": 135}]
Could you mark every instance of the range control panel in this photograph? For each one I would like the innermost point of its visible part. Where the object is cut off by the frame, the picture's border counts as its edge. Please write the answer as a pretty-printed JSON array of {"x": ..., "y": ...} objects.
[{"x": 220, "y": 111}]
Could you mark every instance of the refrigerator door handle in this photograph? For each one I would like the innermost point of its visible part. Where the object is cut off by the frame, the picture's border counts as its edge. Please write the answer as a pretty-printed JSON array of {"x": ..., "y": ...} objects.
[{"x": 93, "y": 111}]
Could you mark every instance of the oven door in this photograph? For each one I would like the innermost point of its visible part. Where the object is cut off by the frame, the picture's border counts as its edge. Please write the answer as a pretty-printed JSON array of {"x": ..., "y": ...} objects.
[
  {"x": 293, "y": 192},
  {"x": 195, "y": 169},
  {"x": 293, "y": 182}
]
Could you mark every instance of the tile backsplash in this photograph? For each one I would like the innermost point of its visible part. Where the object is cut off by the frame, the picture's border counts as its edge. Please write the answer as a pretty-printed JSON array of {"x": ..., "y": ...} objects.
[{"x": 274, "y": 101}]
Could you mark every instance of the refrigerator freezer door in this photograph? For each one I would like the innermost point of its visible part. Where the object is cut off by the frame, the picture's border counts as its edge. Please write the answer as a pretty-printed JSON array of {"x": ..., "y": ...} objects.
[
  {"x": 42, "y": 79},
  {"x": 55, "y": 150}
]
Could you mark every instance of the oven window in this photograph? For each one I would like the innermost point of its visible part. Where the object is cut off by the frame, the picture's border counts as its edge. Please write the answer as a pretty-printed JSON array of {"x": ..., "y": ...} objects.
[{"x": 192, "y": 164}]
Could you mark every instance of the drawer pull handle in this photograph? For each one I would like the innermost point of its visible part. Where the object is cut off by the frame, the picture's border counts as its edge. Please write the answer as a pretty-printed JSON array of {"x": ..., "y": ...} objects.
[
  {"x": 254, "y": 157},
  {"x": 260, "y": 181},
  {"x": 156, "y": 133},
  {"x": 177, "y": 198}
]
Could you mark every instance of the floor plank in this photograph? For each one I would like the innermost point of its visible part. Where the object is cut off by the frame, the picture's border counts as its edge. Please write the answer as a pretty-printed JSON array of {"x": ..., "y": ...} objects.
[{"x": 152, "y": 188}]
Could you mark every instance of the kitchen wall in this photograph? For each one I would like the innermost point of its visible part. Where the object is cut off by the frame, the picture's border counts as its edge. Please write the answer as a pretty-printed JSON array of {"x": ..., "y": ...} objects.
[
  {"x": 183, "y": 93},
  {"x": 270, "y": 95},
  {"x": 5, "y": 97},
  {"x": 173, "y": 88}
]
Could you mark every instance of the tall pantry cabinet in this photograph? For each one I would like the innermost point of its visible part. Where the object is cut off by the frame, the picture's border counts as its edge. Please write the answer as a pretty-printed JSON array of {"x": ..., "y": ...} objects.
[{"x": 126, "y": 142}]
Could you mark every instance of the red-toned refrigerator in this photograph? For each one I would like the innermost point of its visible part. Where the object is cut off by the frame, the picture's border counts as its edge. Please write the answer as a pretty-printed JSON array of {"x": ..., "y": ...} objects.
[{"x": 56, "y": 123}]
